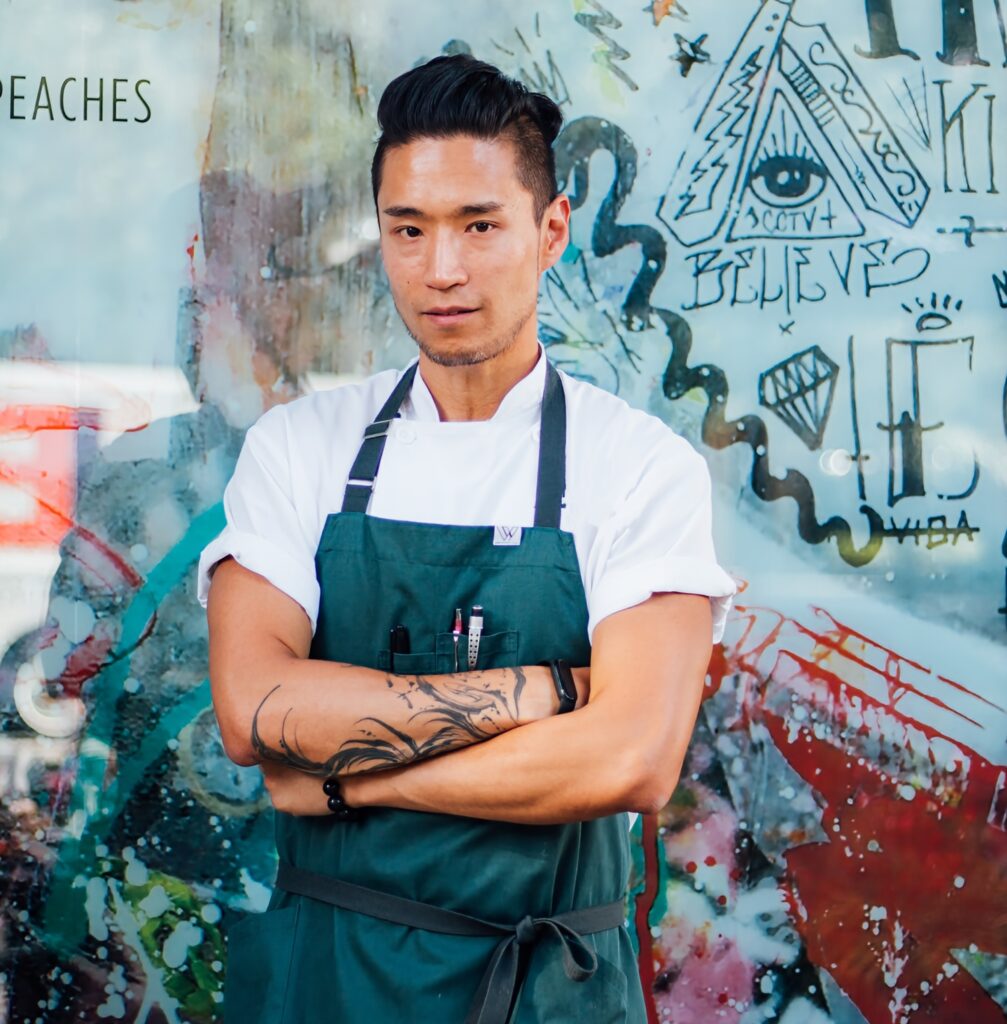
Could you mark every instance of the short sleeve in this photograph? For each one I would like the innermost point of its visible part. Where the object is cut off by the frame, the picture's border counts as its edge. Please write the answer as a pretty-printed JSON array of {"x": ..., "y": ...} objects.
[
  {"x": 660, "y": 538},
  {"x": 263, "y": 530}
]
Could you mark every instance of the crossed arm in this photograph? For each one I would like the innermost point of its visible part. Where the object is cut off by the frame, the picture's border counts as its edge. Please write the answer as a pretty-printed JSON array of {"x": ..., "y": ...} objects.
[{"x": 483, "y": 744}]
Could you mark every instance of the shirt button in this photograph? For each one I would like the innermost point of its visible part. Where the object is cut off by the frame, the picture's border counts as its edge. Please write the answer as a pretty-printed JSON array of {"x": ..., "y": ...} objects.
[{"x": 406, "y": 434}]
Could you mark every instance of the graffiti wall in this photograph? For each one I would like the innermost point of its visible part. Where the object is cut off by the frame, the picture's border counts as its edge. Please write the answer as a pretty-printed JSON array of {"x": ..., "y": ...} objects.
[{"x": 788, "y": 242}]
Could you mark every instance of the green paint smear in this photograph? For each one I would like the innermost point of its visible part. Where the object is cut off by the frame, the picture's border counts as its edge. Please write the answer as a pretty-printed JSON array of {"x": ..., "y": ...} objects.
[
  {"x": 194, "y": 983},
  {"x": 94, "y": 810}
]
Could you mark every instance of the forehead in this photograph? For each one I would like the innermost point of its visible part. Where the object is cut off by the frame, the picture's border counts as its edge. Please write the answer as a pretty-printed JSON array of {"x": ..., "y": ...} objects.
[{"x": 435, "y": 173}]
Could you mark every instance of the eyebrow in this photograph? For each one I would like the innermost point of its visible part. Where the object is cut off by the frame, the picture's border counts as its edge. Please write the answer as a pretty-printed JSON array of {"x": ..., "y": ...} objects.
[{"x": 468, "y": 210}]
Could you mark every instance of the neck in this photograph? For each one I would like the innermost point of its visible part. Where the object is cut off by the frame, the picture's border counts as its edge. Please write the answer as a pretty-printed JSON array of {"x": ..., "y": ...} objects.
[{"x": 474, "y": 392}]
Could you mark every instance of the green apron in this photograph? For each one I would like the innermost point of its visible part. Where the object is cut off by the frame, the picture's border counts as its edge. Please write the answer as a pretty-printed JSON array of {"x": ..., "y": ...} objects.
[{"x": 407, "y": 916}]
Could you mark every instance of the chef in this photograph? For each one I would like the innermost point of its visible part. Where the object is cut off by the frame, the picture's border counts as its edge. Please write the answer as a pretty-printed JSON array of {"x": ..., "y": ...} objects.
[{"x": 460, "y": 616}]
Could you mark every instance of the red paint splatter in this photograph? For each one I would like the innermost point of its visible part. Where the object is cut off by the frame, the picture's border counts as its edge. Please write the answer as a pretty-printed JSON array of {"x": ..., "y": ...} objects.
[
  {"x": 915, "y": 865},
  {"x": 190, "y": 251}
]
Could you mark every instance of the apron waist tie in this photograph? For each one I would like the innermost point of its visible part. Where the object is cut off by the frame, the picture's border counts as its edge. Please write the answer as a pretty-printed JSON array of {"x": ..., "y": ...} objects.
[{"x": 491, "y": 1004}]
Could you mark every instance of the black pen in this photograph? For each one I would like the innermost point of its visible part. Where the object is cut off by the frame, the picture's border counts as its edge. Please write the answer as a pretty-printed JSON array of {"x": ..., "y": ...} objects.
[{"x": 398, "y": 643}]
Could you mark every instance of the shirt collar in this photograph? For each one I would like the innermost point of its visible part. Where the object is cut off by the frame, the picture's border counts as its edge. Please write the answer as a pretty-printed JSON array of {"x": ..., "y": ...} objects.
[{"x": 525, "y": 394}]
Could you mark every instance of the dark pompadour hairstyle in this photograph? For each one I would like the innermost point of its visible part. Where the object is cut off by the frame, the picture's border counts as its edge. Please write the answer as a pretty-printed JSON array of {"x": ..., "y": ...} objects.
[{"x": 460, "y": 95}]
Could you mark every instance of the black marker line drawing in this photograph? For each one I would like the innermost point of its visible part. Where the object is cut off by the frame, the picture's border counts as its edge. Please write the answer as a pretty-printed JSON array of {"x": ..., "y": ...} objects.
[
  {"x": 800, "y": 390},
  {"x": 575, "y": 293},
  {"x": 785, "y": 74},
  {"x": 1000, "y": 287},
  {"x": 906, "y": 428},
  {"x": 792, "y": 274},
  {"x": 883, "y": 33},
  {"x": 577, "y": 142},
  {"x": 932, "y": 318},
  {"x": 787, "y": 328},
  {"x": 690, "y": 53},
  {"x": 970, "y": 229},
  {"x": 915, "y": 106},
  {"x": 857, "y": 456},
  {"x": 958, "y": 24},
  {"x": 936, "y": 532},
  {"x": 998, "y": 4},
  {"x": 878, "y": 252},
  {"x": 969, "y": 487},
  {"x": 905, "y": 436},
  {"x": 957, "y": 120},
  {"x": 789, "y": 192},
  {"x": 549, "y": 79},
  {"x": 575, "y": 147}
]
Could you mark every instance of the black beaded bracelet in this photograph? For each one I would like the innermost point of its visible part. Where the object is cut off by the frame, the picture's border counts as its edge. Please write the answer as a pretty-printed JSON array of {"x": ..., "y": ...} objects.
[
  {"x": 562, "y": 679},
  {"x": 339, "y": 807}
]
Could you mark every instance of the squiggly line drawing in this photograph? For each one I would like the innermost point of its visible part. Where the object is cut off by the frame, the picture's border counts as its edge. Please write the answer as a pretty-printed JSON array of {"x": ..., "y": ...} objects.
[{"x": 575, "y": 147}]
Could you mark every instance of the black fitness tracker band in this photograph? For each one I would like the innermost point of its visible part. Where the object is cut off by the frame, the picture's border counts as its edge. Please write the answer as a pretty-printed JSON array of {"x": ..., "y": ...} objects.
[
  {"x": 339, "y": 807},
  {"x": 562, "y": 678}
]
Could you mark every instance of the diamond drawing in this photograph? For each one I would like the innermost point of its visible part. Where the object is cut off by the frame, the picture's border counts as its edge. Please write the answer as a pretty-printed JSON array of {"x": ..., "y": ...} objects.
[{"x": 800, "y": 390}]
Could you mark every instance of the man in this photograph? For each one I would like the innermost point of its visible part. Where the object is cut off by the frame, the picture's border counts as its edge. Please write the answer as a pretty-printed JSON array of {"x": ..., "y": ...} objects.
[{"x": 390, "y": 646}]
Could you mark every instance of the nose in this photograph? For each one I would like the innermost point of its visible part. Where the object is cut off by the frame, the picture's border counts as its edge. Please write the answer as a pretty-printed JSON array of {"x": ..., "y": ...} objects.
[{"x": 444, "y": 268}]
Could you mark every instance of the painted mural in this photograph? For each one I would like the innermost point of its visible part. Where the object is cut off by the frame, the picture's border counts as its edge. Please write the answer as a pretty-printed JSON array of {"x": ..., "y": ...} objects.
[{"x": 788, "y": 243}]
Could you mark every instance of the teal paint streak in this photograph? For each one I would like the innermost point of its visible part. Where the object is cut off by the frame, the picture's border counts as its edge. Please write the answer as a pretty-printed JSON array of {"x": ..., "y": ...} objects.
[
  {"x": 639, "y": 869},
  {"x": 571, "y": 253},
  {"x": 659, "y": 908},
  {"x": 93, "y": 810}
]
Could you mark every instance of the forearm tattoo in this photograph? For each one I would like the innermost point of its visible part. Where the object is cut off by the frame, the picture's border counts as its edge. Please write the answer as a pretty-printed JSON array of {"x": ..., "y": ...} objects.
[{"x": 458, "y": 709}]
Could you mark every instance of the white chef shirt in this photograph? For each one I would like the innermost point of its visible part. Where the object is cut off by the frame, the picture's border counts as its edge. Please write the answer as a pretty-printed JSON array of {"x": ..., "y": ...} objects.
[{"x": 638, "y": 499}]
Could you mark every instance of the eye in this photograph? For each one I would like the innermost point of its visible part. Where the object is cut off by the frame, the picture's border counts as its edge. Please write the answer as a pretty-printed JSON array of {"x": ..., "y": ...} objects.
[
  {"x": 481, "y": 223},
  {"x": 408, "y": 227},
  {"x": 787, "y": 179}
]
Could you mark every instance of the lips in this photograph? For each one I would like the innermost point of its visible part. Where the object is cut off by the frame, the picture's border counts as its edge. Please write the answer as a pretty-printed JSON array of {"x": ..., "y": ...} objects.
[{"x": 448, "y": 315}]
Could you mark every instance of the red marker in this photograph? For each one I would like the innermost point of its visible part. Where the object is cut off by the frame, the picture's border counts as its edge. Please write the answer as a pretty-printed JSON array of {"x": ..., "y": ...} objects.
[{"x": 457, "y": 632}]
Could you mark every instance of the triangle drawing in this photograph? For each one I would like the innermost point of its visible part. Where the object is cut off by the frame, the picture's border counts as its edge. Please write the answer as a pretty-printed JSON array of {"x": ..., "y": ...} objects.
[
  {"x": 839, "y": 152},
  {"x": 791, "y": 190}
]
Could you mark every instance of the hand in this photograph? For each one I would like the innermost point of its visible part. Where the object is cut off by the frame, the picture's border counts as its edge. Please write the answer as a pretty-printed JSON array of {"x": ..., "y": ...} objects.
[{"x": 294, "y": 791}]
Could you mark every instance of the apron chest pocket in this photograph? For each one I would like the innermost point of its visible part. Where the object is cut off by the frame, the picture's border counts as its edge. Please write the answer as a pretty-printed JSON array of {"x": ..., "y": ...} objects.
[
  {"x": 422, "y": 663},
  {"x": 496, "y": 650}
]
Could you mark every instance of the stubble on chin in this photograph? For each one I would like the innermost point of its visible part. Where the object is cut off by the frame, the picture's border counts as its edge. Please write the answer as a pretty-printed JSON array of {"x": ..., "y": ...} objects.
[{"x": 480, "y": 353}]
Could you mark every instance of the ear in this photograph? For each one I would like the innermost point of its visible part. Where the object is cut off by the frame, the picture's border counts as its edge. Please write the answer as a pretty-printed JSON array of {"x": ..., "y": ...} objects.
[{"x": 555, "y": 232}]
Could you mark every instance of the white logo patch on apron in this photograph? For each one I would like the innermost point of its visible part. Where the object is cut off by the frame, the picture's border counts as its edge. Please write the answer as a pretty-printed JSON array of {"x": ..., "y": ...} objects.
[{"x": 507, "y": 535}]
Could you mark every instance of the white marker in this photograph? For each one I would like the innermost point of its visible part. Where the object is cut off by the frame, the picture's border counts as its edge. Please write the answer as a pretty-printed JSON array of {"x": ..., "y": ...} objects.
[{"x": 475, "y": 630}]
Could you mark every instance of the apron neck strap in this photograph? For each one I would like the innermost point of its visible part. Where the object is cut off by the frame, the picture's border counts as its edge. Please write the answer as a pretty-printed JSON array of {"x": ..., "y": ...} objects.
[
  {"x": 551, "y": 483},
  {"x": 360, "y": 484}
]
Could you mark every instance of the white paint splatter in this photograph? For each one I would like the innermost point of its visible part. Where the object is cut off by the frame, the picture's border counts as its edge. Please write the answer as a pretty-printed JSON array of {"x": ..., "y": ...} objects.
[
  {"x": 176, "y": 946},
  {"x": 94, "y": 904},
  {"x": 156, "y": 902}
]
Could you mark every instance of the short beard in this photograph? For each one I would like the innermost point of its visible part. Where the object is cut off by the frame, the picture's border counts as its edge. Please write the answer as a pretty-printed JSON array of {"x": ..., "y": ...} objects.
[{"x": 480, "y": 355}]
